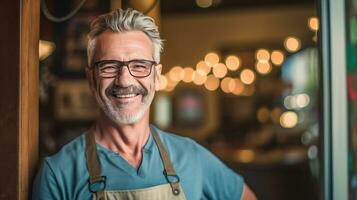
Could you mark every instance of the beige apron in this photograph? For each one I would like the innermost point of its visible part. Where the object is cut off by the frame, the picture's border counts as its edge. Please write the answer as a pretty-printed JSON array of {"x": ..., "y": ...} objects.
[{"x": 171, "y": 190}]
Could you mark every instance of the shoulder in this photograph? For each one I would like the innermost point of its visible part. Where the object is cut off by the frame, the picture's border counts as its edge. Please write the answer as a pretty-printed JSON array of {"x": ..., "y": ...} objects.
[
  {"x": 70, "y": 156},
  {"x": 184, "y": 147},
  {"x": 176, "y": 142},
  {"x": 60, "y": 174},
  {"x": 208, "y": 169},
  {"x": 180, "y": 143}
]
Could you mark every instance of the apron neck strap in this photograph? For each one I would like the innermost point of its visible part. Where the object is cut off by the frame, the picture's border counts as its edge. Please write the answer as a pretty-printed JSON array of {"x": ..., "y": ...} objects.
[
  {"x": 169, "y": 170},
  {"x": 97, "y": 183}
]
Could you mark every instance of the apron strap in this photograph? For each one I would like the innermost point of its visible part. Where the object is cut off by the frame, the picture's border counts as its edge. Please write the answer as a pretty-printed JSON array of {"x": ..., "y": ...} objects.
[
  {"x": 169, "y": 170},
  {"x": 97, "y": 183}
]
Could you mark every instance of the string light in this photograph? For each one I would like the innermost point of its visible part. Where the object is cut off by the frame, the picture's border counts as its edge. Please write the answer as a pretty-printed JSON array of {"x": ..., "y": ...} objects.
[
  {"x": 203, "y": 68},
  {"x": 171, "y": 84},
  {"x": 238, "y": 87},
  {"x": 176, "y": 73},
  {"x": 233, "y": 62},
  {"x": 263, "y": 114},
  {"x": 198, "y": 78},
  {"x": 225, "y": 84},
  {"x": 169, "y": 88},
  {"x": 212, "y": 83},
  {"x": 292, "y": 44},
  {"x": 288, "y": 119},
  {"x": 187, "y": 74},
  {"x": 220, "y": 70},
  {"x": 211, "y": 59},
  {"x": 275, "y": 114},
  {"x": 231, "y": 85},
  {"x": 277, "y": 57},
  {"x": 204, "y": 3},
  {"x": 247, "y": 76},
  {"x": 245, "y": 156},
  {"x": 313, "y": 23},
  {"x": 163, "y": 82},
  {"x": 302, "y": 100},
  {"x": 263, "y": 67},
  {"x": 262, "y": 55}
]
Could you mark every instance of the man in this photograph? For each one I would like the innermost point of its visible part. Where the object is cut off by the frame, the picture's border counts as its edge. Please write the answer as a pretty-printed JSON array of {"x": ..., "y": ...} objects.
[{"x": 122, "y": 156}]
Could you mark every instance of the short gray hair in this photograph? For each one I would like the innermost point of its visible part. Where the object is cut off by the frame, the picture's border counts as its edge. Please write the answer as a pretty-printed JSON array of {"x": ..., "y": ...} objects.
[{"x": 124, "y": 21}]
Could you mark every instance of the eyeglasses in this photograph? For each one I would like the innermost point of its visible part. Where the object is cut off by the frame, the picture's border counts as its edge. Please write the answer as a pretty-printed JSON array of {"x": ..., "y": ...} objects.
[{"x": 111, "y": 68}]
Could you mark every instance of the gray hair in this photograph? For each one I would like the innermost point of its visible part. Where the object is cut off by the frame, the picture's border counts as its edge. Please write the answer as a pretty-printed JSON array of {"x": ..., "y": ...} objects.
[{"x": 124, "y": 21}]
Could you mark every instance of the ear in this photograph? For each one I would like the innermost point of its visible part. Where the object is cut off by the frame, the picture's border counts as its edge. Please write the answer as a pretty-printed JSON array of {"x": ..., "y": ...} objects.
[{"x": 157, "y": 71}]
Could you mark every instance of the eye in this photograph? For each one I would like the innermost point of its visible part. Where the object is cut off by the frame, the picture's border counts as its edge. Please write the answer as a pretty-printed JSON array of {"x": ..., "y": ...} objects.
[
  {"x": 139, "y": 66},
  {"x": 108, "y": 68}
]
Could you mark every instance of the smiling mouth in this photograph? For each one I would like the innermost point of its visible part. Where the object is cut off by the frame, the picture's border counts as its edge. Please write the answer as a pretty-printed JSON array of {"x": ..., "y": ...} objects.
[{"x": 125, "y": 96}]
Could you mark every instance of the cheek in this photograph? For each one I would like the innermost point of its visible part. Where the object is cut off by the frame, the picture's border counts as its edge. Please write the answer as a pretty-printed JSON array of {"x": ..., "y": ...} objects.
[
  {"x": 147, "y": 83},
  {"x": 102, "y": 85}
]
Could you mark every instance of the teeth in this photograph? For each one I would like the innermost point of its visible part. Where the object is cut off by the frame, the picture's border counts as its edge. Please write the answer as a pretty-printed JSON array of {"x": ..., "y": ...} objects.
[{"x": 126, "y": 95}]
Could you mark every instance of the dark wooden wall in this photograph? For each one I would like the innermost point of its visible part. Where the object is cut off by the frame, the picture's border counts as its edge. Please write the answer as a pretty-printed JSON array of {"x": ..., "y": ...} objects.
[{"x": 19, "y": 22}]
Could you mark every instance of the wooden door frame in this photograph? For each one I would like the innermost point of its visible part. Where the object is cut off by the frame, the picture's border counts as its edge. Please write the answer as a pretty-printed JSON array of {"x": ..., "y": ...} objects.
[{"x": 19, "y": 101}]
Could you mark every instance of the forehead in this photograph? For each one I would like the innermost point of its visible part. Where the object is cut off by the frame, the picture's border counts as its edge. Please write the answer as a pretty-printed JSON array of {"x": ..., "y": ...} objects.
[{"x": 123, "y": 46}]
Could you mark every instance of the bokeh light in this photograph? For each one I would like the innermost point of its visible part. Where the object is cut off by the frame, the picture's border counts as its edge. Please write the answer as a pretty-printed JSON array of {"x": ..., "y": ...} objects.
[
  {"x": 289, "y": 102},
  {"x": 262, "y": 55},
  {"x": 211, "y": 59},
  {"x": 199, "y": 78},
  {"x": 163, "y": 82},
  {"x": 277, "y": 57},
  {"x": 275, "y": 114},
  {"x": 313, "y": 23},
  {"x": 233, "y": 62},
  {"x": 176, "y": 73},
  {"x": 212, "y": 83},
  {"x": 312, "y": 152},
  {"x": 171, "y": 84},
  {"x": 289, "y": 119},
  {"x": 263, "y": 114},
  {"x": 204, "y": 3},
  {"x": 187, "y": 74},
  {"x": 220, "y": 70},
  {"x": 302, "y": 100},
  {"x": 245, "y": 156},
  {"x": 247, "y": 76},
  {"x": 263, "y": 67},
  {"x": 228, "y": 84},
  {"x": 292, "y": 44},
  {"x": 203, "y": 68},
  {"x": 238, "y": 87}
]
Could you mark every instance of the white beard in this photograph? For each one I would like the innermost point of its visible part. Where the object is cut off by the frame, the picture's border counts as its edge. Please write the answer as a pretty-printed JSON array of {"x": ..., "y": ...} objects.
[
  {"x": 119, "y": 118},
  {"x": 111, "y": 109}
]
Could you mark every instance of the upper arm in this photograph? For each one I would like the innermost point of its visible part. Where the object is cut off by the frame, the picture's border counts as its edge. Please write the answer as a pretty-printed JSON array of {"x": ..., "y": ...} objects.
[
  {"x": 220, "y": 182},
  {"x": 46, "y": 186}
]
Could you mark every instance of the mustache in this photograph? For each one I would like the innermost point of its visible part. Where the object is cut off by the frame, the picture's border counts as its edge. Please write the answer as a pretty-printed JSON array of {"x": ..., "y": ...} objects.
[{"x": 119, "y": 90}]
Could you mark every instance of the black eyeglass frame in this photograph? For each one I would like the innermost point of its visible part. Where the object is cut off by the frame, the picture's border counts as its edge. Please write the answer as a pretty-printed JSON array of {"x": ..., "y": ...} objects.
[{"x": 121, "y": 64}]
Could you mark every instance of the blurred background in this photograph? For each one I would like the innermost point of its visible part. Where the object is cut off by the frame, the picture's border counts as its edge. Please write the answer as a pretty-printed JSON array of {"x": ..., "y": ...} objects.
[{"x": 240, "y": 77}]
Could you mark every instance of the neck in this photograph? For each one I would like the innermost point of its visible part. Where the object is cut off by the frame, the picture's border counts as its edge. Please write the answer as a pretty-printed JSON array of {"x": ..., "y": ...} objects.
[{"x": 126, "y": 140}]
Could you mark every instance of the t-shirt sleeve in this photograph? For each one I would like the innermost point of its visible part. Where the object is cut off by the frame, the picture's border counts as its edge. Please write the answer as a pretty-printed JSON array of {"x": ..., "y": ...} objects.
[
  {"x": 219, "y": 181},
  {"x": 46, "y": 186}
]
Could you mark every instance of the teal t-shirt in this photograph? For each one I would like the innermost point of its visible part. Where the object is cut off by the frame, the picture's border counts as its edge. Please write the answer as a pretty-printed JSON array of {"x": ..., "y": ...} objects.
[{"x": 64, "y": 176}]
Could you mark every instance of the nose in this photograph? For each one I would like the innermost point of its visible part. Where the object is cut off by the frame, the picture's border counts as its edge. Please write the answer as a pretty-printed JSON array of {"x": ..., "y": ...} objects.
[{"x": 124, "y": 78}]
